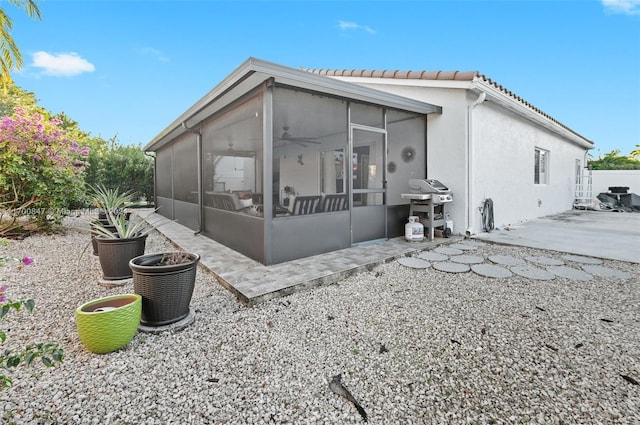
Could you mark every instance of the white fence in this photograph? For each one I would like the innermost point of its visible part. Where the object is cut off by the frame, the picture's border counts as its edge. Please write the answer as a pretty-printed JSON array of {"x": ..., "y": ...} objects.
[{"x": 602, "y": 180}]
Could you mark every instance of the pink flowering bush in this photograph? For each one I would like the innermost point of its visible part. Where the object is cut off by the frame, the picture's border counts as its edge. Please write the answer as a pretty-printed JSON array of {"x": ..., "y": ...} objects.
[
  {"x": 49, "y": 353},
  {"x": 41, "y": 170}
]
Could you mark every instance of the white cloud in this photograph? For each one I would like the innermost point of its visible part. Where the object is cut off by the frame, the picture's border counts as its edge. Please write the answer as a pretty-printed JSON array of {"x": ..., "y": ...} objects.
[
  {"x": 61, "y": 64},
  {"x": 150, "y": 51},
  {"x": 628, "y": 7},
  {"x": 345, "y": 26}
]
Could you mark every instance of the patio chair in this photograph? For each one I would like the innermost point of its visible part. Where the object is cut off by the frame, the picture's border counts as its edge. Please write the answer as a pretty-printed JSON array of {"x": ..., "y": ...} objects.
[
  {"x": 335, "y": 202},
  {"x": 306, "y": 205}
]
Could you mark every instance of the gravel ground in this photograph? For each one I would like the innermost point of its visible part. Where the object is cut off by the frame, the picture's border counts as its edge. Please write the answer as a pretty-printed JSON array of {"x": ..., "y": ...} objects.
[{"x": 413, "y": 346}]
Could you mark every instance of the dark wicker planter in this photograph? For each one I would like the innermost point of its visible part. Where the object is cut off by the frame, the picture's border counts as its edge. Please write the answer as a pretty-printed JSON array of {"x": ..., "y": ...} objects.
[
  {"x": 115, "y": 254},
  {"x": 166, "y": 289},
  {"x": 102, "y": 223}
]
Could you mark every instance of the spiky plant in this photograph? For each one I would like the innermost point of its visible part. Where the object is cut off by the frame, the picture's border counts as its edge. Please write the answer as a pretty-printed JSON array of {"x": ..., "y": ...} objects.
[{"x": 111, "y": 200}]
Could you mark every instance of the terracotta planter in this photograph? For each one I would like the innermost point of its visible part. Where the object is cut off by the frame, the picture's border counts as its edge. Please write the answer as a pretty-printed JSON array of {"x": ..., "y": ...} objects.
[
  {"x": 115, "y": 254},
  {"x": 166, "y": 290},
  {"x": 108, "y": 324}
]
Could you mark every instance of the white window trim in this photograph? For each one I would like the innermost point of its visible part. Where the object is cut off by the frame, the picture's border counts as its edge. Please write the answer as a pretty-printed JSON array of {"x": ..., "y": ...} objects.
[{"x": 541, "y": 168}]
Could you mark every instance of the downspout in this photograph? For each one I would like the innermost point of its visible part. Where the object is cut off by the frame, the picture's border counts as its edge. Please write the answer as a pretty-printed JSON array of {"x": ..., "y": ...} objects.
[
  {"x": 199, "y": 168},
  {"x": 155, "y": 189},
  {"x": 470, "y": 208}
]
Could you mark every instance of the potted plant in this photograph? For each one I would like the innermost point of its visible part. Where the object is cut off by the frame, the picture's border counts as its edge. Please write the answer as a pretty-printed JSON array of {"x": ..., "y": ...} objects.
[
  {"x": 108, "y": 324},
  {"x": 166, "y": 282},
  {"x": 117, "y": 248},
  {"x": 110, "y": 200},
  {"x": 107, "y": 200},
  {"x": 94, "y": 233}
]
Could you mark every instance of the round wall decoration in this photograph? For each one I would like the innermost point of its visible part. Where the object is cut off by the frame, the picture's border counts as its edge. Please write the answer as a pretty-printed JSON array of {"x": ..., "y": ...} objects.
[
  {"x": 391, "y": 167},
  {"x": 408, "y": 154}
]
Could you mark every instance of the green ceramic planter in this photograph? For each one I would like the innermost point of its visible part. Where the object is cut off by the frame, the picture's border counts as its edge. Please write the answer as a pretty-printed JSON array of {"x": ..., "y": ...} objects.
[{"x": 108, "y": 324}]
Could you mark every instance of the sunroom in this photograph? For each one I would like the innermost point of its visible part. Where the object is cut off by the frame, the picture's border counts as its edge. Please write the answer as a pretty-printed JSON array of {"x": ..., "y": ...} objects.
[{"x": 280, "y": 164}]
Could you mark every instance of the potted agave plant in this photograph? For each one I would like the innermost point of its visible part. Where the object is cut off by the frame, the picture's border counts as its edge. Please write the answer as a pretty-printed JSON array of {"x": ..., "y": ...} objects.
[
  {"x": 107, "y": 200},
  {"x": 166, "y": 282},
  {"x": 117, "y": 248},
  {"x": 110, "y": 200}
]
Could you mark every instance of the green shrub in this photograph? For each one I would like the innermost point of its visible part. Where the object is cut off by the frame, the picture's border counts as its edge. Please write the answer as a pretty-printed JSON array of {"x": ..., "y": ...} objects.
[{"x": 123, "y": 167}]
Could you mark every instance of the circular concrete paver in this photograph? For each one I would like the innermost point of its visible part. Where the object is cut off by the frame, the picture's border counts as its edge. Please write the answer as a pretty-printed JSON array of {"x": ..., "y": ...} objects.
[
  {"x": 463, "y": 246},
  {"x": 414, "y": 263},
  {"x": 569, "y": 273},
  {"x": 467, "y": 259},
  {"x": 432, "y": 256},
  {"x": 448, "y": 266},
  {"x": 531, "y": 272},
  {"x": 491, "y": 270},
  {"x": 507, "y": 260},
  {"x": 605, "y": 271},
  {"x": 545, "y": 261},
  {"x": 448, "y": 251},
  {"x": 582, "y": 260}
]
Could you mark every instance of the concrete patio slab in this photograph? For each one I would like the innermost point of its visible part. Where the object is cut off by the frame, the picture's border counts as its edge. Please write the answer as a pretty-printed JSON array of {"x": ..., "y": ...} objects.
[{"x": 599, "y": 234}]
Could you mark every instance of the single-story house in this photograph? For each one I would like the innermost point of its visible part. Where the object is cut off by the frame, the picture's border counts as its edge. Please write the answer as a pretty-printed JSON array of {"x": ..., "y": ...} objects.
[{"x": 281, "y": 163}]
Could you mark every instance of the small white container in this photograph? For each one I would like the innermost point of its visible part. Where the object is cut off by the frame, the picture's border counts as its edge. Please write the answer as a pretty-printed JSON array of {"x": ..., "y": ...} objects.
[
  {"x": 449, "y": 225},
  {"x": 414, "y": 230}
]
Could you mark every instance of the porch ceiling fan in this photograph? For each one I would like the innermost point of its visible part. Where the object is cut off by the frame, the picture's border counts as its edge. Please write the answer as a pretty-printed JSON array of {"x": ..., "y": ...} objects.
[
  {"x": 288, "y": 138},
  {"x": 232, "y": 151}
]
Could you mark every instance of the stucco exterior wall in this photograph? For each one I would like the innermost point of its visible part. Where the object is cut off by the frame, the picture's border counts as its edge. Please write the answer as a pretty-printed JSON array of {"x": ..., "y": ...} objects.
[{"x": 504, "y": 149}]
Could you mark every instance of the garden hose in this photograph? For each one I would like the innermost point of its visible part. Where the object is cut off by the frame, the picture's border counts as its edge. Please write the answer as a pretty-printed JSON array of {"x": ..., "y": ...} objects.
[{"x": 487, "y": 215}]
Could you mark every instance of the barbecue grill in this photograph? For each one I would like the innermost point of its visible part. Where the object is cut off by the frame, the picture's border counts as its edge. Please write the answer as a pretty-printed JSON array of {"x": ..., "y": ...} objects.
[
  {"x": 432, "y": 187},
  {"x": 425, "y": 195}
]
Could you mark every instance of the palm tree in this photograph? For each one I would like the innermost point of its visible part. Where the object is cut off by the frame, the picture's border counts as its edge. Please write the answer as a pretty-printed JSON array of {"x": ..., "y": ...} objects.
[
  {"x": 635, "y": 154},
  {"x": 10, "y": 56}
]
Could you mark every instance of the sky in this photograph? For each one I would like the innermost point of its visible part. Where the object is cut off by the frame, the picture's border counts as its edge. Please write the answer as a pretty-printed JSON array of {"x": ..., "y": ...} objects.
[{"x": 129, "y": 68}]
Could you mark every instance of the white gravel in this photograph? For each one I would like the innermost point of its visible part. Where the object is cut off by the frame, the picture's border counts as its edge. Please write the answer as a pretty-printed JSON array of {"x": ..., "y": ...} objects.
[{"x": 413, "y": 346}]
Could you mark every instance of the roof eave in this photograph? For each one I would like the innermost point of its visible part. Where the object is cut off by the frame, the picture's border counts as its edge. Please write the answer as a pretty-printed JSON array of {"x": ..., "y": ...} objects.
[
  {"x": 321, "y": 83},
  {"x": 293, "y": 77},
  {"x": 479, "y": 83},
  {"x": 499, "y": 97}
]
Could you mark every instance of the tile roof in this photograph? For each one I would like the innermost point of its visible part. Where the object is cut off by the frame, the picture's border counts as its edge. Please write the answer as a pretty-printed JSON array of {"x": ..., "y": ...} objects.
[
  {"x": 436, "y": 75},
  {"x": 407, "y": 75}
]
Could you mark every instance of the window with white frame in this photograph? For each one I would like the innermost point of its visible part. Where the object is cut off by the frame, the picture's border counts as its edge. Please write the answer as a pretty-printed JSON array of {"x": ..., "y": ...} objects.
[{"x": 541, "y": 167}]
